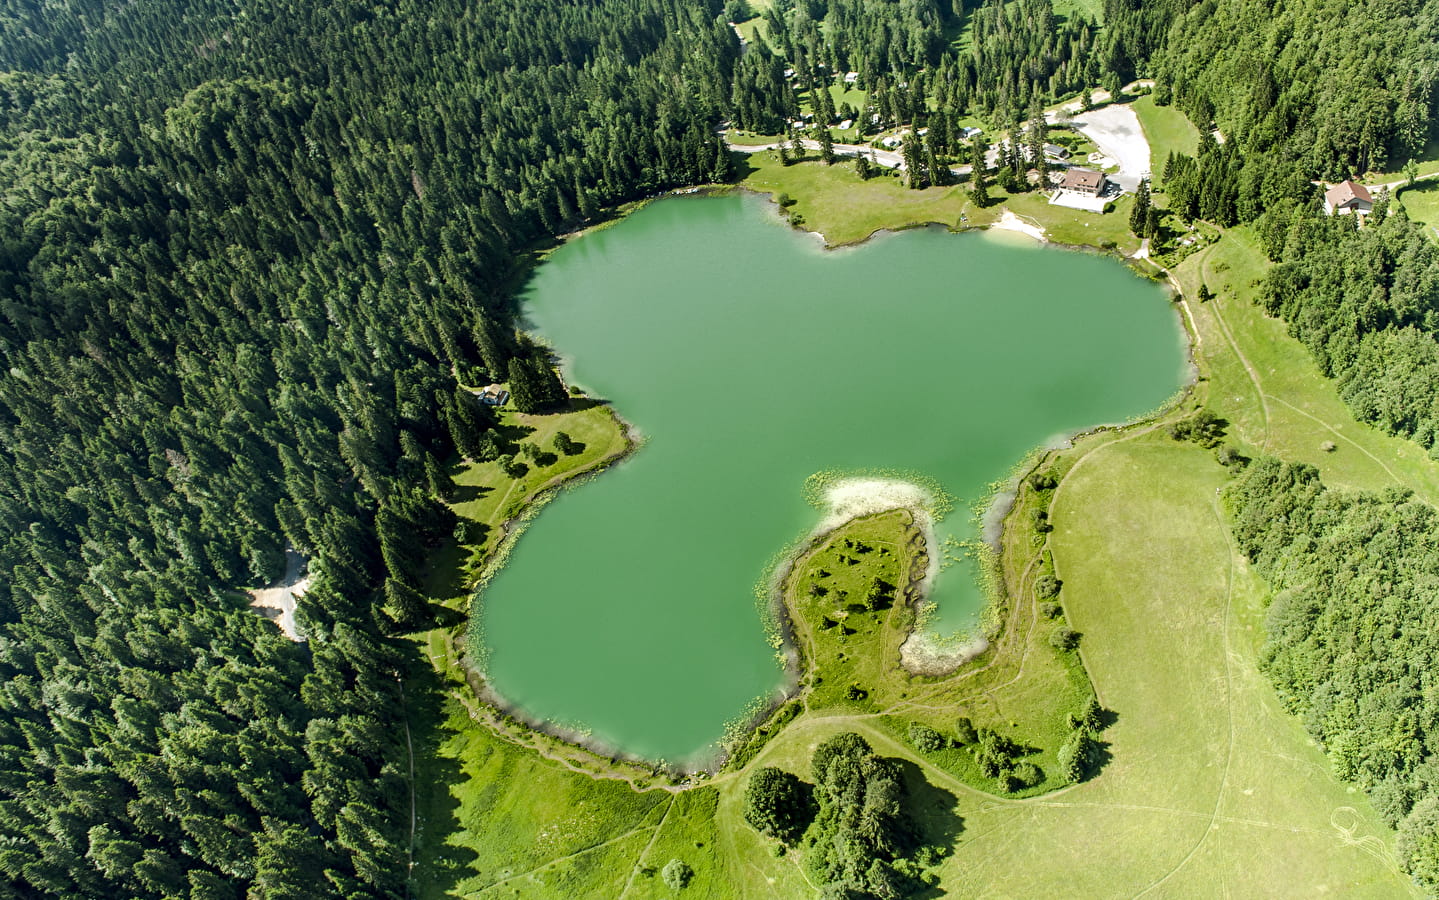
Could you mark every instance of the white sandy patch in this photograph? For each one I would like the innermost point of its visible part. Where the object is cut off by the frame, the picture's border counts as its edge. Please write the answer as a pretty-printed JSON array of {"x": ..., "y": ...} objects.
[
  {"x": 926, "y": 654},
  {"x": 1011, "y": 222},
  {"x": 922, "y": 653},
  {"x": 855, "y": 497},
  {"x": 277, "y": 602}
]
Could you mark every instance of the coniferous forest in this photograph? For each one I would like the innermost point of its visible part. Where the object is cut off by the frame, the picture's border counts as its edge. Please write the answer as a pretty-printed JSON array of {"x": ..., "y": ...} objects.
[{"x": 250, "y": 252}]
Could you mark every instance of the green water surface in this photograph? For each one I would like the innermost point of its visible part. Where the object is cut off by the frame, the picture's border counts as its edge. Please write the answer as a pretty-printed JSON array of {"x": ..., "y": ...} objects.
[{"x": 750, "y": 358}]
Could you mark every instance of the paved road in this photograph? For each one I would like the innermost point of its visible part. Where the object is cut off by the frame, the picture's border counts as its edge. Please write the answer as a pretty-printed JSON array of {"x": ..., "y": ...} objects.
[{"x": 1115, "y": 130}]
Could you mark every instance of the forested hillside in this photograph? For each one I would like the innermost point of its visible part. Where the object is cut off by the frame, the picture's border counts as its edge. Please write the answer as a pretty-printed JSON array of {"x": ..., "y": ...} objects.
[
  {"x": 1366, "y": 304},
  {"x": 1328, "y": 88},
  {"x": 1352, "y": 634},
  {"x": 249, "y": 256}
]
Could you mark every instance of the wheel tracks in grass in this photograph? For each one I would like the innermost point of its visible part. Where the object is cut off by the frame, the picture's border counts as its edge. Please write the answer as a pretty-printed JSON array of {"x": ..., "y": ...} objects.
[
  {"x": 483, "y": 715},
  {"x": 1340, "y": 435},
  {"x": 1214, "y": 816},
  {"x": 1264, "y": 396},
  {"x": 602, "y": 844},
  {"x": 639, "y": 860},
  {"x": 1214, "y": 308}
]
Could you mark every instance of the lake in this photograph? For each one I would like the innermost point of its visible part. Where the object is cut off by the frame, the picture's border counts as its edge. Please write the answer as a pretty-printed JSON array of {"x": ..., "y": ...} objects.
[{"x": 750, "y": 358}]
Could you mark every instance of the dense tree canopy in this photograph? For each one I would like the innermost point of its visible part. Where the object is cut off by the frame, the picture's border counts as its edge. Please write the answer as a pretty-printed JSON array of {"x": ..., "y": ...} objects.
[
  {"x": 249, "y": 257},
  {"x": 1366, "y": 304},
  {"x": 1353, "y": 632},
  {"x": 1331, "y": 88}
]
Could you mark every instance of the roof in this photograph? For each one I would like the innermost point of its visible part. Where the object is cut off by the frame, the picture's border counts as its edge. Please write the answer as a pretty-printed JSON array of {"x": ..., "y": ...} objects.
[
  {"x": 491, "y": 390},
  {"x": 1082, "y": 179},
  {"x": 1055, "y": 150},
  {"x": 1345, "y": 191}
]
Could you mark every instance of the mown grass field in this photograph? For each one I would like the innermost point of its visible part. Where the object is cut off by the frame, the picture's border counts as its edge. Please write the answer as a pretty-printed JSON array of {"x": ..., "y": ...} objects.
[
  {"x": 1167, "y": 129},
  {"x": 837, "y": 204},
  {"x": 1421, "y": 202},
  {"x": 1209, "y": 788}
]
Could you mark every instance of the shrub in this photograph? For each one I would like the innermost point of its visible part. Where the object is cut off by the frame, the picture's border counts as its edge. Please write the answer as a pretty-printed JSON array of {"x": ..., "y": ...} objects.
[
  {"x": 676, "y": 874},
  {"x": 1028, "y": 774},
  {"x": 1047, "y": 587},
  {"x": 926, "y": 739},
  {"x": 1077, "y": 756},
  {"x": 964, "y": 731},
  {"x": 778, "y": 804},
  {"x": 1064, "y": 638},
  {"x": 1049, "y": 609}
]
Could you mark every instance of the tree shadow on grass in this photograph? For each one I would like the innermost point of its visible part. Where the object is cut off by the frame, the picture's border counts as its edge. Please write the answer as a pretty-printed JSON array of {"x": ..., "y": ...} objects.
[
  {"x": 740, "y": 164},
  {"x": 466, "y": 493},
  {"x": 933, "y": 813},
  {"x": 439, "y": 867}
]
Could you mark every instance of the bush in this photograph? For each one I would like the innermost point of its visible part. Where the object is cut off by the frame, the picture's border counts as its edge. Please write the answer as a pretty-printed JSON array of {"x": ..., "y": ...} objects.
[
  {"x": 1047, "y": 587},
  {"x": 1028, "y": 774},
  {"x": 1203, "y": 428},
  {"x": 1228, "y": 456},
  {"x": 778, "y": 804},
  {"x": 926, "y": 739},
  {"x": 964, "y": 732},
  {"x": 1064, "y": 638},
  {"x": 676, "y": 874},
  {"x": 1049, "y": 609},
  {"x": 1089, "y": 718},
  {"x": 1077, "y": 756}
]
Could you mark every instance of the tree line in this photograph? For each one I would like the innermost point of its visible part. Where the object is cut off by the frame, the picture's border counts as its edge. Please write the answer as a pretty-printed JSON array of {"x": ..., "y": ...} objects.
[{"x": 1352, "y": 633}]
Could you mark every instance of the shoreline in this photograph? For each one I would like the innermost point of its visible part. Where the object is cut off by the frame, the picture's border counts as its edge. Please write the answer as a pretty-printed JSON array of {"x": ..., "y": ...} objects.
[{"x": 920, "y": 655}]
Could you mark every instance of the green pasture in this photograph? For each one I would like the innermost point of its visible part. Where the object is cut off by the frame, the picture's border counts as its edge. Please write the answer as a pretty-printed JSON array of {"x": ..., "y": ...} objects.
[{"x": 1421, "y": 203}]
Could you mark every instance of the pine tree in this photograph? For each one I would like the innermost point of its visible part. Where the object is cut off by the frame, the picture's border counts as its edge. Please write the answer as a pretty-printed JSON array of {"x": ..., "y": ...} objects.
[
  {"x": 826, "y": 145},
  {"x": 523, "y": 390},
  {"x": 1139, "y": 216}
]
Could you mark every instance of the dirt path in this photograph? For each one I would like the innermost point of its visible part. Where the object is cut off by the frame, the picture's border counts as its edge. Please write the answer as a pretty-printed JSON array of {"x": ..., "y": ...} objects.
[{"x": 277, "y": 601}]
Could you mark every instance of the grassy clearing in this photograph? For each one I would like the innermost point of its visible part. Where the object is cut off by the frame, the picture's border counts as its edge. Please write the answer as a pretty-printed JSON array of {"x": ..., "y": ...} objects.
[
  {"x": 1167, "y": 129},
  {"x": 1421, "y": 202},
  {"x": 1267, "y": 384},
  {"x": 834, "y": 202},
  {"x": 486, "y": 497},
  {"x": 852, "y": 608}
]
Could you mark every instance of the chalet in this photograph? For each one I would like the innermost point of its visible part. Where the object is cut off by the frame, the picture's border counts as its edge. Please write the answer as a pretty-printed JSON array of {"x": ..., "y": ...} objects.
[
  {"x": 1054, "y": 151},
  {"x": 1083, "y": 181},
  {"x": 1348, "y": 197},
  {"x": 493, "y": 395}
]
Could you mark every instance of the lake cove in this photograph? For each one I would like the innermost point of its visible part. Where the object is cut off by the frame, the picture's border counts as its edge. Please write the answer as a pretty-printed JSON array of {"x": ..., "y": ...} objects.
[{"x": 751, "y": 359}]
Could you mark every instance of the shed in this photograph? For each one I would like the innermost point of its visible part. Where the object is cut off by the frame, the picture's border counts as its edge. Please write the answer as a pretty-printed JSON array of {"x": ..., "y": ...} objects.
[{"x": 493, "y": 395}]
